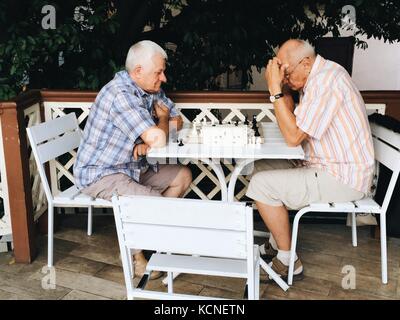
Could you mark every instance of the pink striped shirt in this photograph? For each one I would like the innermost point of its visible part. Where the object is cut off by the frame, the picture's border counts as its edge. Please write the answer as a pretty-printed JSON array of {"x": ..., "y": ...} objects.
[{"x": 332, "y": 112}]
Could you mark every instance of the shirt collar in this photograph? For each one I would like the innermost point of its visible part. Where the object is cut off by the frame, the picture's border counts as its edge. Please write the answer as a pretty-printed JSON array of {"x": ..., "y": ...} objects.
[
  {"x": 128, "y": 80},
  {"x": 317, "y": 65}
]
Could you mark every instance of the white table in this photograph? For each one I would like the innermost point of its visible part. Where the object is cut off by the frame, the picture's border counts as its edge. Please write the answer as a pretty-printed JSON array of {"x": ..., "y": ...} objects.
[{"x": 274, "y": 147}]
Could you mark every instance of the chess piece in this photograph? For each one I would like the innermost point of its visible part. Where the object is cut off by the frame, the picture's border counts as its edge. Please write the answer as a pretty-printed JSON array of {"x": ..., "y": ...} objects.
[
  {"x": 194, "y": 130},
  {"x": 254, "y": 122},
  {"x": 237, "y": 123},
  {"x": 246, "y": 120},
  {"x": 180, "y": 143},
  {"x": 256, "y": 132}
]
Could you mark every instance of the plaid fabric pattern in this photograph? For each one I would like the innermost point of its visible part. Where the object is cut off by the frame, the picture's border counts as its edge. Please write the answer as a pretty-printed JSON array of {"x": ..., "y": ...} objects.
[{"x": 121, "y": 112}]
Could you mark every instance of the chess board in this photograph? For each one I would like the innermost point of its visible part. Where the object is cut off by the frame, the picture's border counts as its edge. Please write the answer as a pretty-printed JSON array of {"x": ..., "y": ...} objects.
[{"x": 225, "y": 134}]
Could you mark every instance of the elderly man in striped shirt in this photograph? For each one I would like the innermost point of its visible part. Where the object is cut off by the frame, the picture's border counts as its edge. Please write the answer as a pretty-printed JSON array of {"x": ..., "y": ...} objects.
[
  {"x": 130, "y": 114},
  {"x": 331, "y": 124}
]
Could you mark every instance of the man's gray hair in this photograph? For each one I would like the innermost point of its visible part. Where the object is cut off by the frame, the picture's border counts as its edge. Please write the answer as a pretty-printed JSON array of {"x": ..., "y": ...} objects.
[
  {"x": 303, "y": 49},
  {"x": 141, "y": 53}
]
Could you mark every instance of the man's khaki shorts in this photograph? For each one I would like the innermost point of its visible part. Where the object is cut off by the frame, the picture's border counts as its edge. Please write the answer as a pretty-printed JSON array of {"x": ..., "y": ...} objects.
[
  {"x": 151, "y": 183},
  {"x": 279, "y": 182}
]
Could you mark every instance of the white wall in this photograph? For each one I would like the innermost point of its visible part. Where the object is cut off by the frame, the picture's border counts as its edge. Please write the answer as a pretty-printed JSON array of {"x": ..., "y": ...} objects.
[
  {"x": 375, "y": 68},
  {"x": 378, "y": 66}
]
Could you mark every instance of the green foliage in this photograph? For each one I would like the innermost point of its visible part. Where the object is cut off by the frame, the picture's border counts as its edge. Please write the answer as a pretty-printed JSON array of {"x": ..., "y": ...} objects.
[
  {"x": 74, "y": 55},
  {"x": 205, "y": 38}
]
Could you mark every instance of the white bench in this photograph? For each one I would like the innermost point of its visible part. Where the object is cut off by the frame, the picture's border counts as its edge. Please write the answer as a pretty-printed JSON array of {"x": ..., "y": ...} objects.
[
  {"x": 218, "y": 234},
  {"x": 50, "y": 140}
]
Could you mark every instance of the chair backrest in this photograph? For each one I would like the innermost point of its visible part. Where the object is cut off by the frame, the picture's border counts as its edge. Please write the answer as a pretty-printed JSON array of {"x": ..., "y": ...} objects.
[
  {"x": 52, "y": 139},
  {"x": 387, "y": 152},
  {"x": 338, "y": 49},
  {"x": 184, "y": 226}
]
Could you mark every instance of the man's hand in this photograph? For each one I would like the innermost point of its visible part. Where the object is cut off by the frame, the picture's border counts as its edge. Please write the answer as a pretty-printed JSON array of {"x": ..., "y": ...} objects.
[
  {"x": 274, "y": 74},
  {"x": 140, "y": 149},
  {"x": 161, "y": 110}
]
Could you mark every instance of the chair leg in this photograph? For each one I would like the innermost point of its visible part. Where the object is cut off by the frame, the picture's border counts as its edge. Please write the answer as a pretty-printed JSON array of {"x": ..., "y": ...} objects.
[
  {"x": 294, "y": 243},
  {"x": 257, "y": 277},
  {"x": 250, "y": 288},
  {"x": 50, "y": 235},
  {"x": 354, "y": 229},
  {"x": 170, "y": 278},
  {"x": 90, "y": 220},
  {"x": 383, "y": 249}
]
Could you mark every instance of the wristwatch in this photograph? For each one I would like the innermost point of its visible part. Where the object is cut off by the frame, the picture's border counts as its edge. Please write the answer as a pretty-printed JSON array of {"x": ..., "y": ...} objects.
[{"x": 275, "y": 97}]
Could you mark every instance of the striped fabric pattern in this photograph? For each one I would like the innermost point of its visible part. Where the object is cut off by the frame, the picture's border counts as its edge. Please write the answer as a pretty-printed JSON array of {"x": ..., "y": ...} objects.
[
  {"x": 121, "y": 112},
  {"x": 332, "y": 112}
]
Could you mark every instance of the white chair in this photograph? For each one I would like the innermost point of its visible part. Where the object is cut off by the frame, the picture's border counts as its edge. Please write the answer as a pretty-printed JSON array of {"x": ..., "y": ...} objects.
[
  {"x": 50, "y": 140},
  {"x": 387, "y": 152},
  {"x": 219, "y": 233}
]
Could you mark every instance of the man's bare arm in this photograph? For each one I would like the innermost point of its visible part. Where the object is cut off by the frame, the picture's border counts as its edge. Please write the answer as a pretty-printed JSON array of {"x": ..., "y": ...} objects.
[
  {"x": 157, "y": 136},
  {"x": 177, "y": 122},
  {"x": 284, "y": 106},
  {"x": 293, "y": 135}
]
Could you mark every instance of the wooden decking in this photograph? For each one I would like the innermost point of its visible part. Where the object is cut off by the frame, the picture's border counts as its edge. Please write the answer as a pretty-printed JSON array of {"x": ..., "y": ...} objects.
[{"x": 90, "y": 268}]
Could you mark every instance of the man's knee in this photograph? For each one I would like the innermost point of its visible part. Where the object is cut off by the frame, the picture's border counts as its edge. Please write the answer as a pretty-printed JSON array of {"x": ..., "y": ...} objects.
[
  {"x": 259, "y": 180},
  {"x": 184, "y": 178}
]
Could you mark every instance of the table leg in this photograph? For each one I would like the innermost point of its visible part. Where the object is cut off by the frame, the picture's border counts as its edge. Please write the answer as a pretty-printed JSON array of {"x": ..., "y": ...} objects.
[
  {"x": 220, "y": 175},
  {"x": 240, "y": 164},
  {"x": 231, "y": 197},
  {"x": 274, "y": 276},
  {"x": 224, "y": 195}
]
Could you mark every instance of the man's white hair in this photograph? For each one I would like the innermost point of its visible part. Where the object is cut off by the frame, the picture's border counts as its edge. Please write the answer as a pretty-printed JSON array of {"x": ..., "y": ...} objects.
[
  {"x": 141, "y": 53},
  {"x": 303, "y": 49}
]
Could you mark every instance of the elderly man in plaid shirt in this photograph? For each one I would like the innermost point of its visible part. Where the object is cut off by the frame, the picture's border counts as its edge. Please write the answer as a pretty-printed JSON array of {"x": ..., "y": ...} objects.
[{"x": 131, "y": 114}]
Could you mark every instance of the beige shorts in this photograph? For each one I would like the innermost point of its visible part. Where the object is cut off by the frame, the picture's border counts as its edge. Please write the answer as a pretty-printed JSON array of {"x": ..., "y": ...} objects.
[
  {"x": 279, "y": 182},
  {"x": 151, "y": 183}
]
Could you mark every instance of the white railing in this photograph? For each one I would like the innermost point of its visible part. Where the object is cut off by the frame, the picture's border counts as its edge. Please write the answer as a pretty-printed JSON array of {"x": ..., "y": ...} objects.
[{"x": 231, "y": 112}]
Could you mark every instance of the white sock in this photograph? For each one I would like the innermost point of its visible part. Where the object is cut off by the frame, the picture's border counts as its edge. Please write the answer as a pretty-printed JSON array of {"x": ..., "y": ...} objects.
[
  {"x": 272, "y": 242},
  {"x": 284, "y": 257}
]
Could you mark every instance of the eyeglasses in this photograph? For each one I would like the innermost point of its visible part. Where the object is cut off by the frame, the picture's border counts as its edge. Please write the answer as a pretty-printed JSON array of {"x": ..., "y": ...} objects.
[{"x": 288, "y": 74}]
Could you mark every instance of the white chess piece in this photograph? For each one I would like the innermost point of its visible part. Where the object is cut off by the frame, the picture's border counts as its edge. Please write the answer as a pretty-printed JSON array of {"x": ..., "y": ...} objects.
[{"x": 194, "y": 130}]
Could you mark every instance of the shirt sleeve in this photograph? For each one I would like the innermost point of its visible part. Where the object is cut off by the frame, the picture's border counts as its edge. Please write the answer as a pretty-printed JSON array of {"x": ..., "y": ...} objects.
[
  {"x": 130, "y": 116},
  {"x": 319, "y": 105},
  {"x": 168, "y": 102}
]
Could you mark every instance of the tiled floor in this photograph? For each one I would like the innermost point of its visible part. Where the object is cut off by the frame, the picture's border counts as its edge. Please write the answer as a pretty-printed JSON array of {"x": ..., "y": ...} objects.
[{"x": 90, "y": 268}]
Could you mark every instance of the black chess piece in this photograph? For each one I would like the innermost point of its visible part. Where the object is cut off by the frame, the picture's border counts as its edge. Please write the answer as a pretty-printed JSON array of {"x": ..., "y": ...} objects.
[
  {"x": 180, "y": 142},
  {"x": 237, "y": 123},
  {"x": 254, "y": 122},
  {"x": 256, "y": 132},
  {"x": 246, "y": 120}
]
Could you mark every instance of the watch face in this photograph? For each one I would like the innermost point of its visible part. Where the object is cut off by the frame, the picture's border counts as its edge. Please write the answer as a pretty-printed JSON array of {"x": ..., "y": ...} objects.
[{"x": 272, "y": 98}]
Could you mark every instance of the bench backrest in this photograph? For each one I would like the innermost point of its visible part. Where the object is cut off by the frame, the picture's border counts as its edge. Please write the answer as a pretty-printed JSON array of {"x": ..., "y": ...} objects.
[
  {"x": 387, "y": 151},
  {"x": 52, "y": 139},
  {"x": 184, "y": 226}
]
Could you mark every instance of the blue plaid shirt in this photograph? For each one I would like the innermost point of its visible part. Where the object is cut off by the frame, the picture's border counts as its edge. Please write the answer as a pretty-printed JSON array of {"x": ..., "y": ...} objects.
[{"x": 121, "y": 112}]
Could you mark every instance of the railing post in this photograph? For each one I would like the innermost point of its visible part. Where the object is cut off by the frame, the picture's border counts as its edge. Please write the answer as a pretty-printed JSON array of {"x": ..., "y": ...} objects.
[{"x": 18, "y": 181}]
